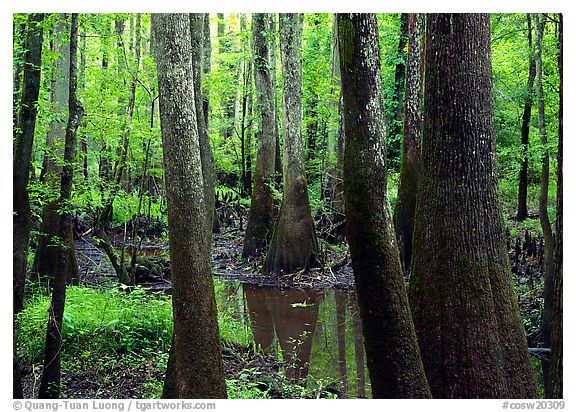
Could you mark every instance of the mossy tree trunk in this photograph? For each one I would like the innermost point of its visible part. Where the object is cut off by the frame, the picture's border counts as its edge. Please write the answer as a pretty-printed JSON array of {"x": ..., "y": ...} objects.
[
  {"x": 46, "y": 257},
  {"x": 543, "y": 200},
  {"x": 525, "y": 131},
  {"x": 555, "y": 387},
  {"x": 463, "y": 301},
  {"x": 410, "y": 162},
  {"x": 197, "y": 351},
  {"x": 393, "y": 359},
  {"x": 23, "y": 144},
  {"x": 294, "y": 245},
  {"x": 260, "y": 218},
  {"x": 51, "y": 373}
]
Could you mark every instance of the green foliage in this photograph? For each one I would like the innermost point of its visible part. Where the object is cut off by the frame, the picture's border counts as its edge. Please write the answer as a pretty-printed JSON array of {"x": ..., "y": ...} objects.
[
  {"x": 111, "y": 321},
  {"x": 115, "y": 321}
]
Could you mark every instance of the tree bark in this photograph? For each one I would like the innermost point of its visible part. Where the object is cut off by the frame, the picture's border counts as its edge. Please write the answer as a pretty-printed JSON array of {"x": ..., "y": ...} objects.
[
  {"x": 463, "y": 302},
  {"x": 525, "y": 131},
  {"x": 24, "y": 141},
  {"x": 170, "y": 388},
  {"x": 46, "y": 260},
  {"x": 198, "y": 357},
  {"x": 51, "y": 373},
  {"x": 555, "y": 387},
  {"x": 410, "y": 162},
  {"x": 260, "y": 218},
  {"x": 396, "y": 371},
  {"x": 293, "y": 245}
]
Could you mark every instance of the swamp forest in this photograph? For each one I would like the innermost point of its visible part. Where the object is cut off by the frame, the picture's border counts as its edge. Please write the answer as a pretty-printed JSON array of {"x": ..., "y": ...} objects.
[{"x": 292, "y": 205}]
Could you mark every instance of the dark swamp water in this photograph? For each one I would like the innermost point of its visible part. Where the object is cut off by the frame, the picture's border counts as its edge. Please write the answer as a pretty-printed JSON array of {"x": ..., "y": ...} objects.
[{"x": 316, "y": 333}]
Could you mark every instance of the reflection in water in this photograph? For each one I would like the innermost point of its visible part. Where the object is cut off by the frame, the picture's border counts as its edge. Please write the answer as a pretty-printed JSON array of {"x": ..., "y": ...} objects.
[
  {"x": 291, "y": 314},
  {"x": 318, "y": 332},
  {"x": 341, "y": 324}
]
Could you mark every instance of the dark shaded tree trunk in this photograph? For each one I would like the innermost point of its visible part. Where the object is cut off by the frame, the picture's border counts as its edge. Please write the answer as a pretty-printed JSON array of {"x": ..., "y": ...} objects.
[
  {"x": 82, "y": 86},
  {"x": 410, "y": 162},
  {"x": 46, "y": 259},
  {"x": 463, "y": 302},
  {"x": 395, "y": 122},
  {"x": 260, "y": 218},
  {"x": 543, "y": 201},
  {"x": 397, "y": 371},
  {"x": 51, "y": 373},
  {"x": 525, "y": 131},
  {"x": 555, "y": 387},
  {"x": 197, "y": 352},
  {"x": 24, "y": 142},
  {"x": 293, "y": 245}
]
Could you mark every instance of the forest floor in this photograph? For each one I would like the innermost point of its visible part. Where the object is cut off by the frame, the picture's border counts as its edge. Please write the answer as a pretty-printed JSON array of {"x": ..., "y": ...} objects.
[{"x": 250, "y": 373}]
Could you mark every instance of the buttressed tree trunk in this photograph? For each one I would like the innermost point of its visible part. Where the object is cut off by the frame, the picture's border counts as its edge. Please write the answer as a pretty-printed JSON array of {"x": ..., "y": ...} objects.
[
  {"x": 469, "y": 329},
  {"x": 51, "y": 374},
  {"x": 408, "y": 186},
  {"x": 394, "y": 363},
  {"x": 555, "y": 387},
  {"x": 198, "y": 356},
  {"x": 525, "y": 131},
  {"x": 46, "y": 258},
  {"x": 24, "y": 141},
  {"x": 294, "y": 245},
  {"x": 260, "y": 219}
]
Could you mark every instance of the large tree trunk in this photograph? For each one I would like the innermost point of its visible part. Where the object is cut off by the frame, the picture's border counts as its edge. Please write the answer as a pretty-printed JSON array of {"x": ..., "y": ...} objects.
[
  {"x": 24, "y": 141},
  {"x": 396, "y": 371},
  {"x": 197, "y": 352},
  {"x": 51, "y": 373},
  {"x": 170, "y": 389},
  {"x": 408, "y": 186},
  {"x": 555, "y": 387},
  {"x": 46, "y": 260},
  {"x": 260, "y": 219},
  {"x": 525, "y": 132},
  {"x": 294, "y": 245},
  {"x": 543, "y": 201},
  {"x": 463, "y": 302}
]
